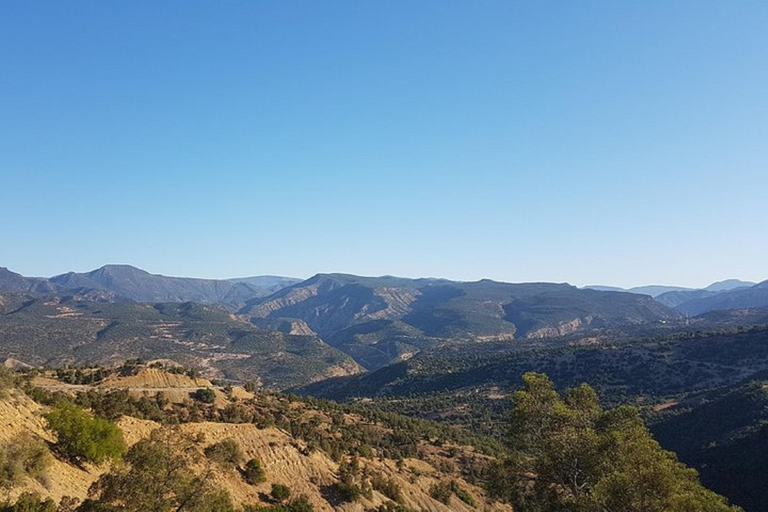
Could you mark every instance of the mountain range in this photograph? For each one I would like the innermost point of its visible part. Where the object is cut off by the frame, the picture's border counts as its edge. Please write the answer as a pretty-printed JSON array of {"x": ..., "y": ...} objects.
[
  {"x": 656, "y": 290},
  {"x": 380, "y": 320},
  {"x": 124, "y": 283}
]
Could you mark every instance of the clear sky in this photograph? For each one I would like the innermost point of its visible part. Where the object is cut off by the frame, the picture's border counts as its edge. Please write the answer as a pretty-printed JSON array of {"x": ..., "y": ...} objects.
[{"x": 613, "y": 142}]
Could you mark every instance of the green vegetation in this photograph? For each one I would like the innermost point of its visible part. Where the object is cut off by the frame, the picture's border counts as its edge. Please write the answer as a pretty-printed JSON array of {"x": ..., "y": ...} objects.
[
  {"x": 388, "y": 487},
  {"x": 55, "y": 331},
  {"x": 280, "y": 492},
  {"x": 30, "y": 502},
  {"x": 23, "y": 456},
  {"x": 205, "y": 395},
  {"x": 80, "y": 436},
  {"x": 724, "y": 434},
  {"x": 441, "y": 491},
  {"x": 158, "y": 477},
  {"x": 570, "y": 454},
  {"x": 347, "y": 492},
  {"x": 7, "y": 381},
  {"x": 253, "y": 473},
  {"x": 226, "y": 453},
  {"x": 462, "y": 494}
]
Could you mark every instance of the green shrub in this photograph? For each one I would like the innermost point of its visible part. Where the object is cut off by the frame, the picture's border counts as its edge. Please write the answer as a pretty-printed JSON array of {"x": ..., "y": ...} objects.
[
  {"x": 24, "y": 455},
  {"x": 462, "y": 494},
  {"x": 81, "y": 436},
  {"x": 280, "y": 492},
  {"x": 226, "y": 453},
  {"x": 301, "y": 504},
  {"x": 7, "y": 381},
  {"x": 441, "y": 491},
  {"x": 253, "y": 472},
  {"x": 159, "y": 476},
  {"x": 388, "y": 487},
  {"x": 347, "y": 492},
  {"x": 29, "y": 502},
  {"x": 205, "y": 395}
]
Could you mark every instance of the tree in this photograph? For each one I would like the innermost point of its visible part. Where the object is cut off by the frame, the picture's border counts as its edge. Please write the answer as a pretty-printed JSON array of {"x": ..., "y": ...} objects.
[
  {"x": 280, "y": 492},
  {"x": 570, "y": 454},
  {"x": 253, "y": 472},
  {"x": 159, "y": 477},
  {"x": 226, "y": 453},
  {"x": 205, "y": 395},
  {"x": 81, "y": 436}
]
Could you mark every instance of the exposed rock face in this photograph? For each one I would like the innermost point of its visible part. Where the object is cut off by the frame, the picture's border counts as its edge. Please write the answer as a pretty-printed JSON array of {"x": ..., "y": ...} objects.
[
  {"x": 560, "y": 329},
  {"x": 283, "y": 300}
]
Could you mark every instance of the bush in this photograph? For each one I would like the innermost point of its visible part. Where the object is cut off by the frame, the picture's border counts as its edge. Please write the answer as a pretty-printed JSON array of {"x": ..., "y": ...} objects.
[
  {"x": 280, "y": 492},
  {"x": 441, "y": 491},
  {"x": 160, "y": 476},
  {"x": 7, "y": 381},
  {"x": 301, "y": 504},
  {"x": 462, "y": 494},
  {"x": 388, "y": 487},
  {"x": 347, "y": 492},
  {"x": 253, "y": 472},
  {"x": 226, "y": 453},
  {"x": 29, "y": 502},
  {"x": 81, "y": 436},
  {"x": 205, "y": 395},
  {"x": 23, "y": 456}
]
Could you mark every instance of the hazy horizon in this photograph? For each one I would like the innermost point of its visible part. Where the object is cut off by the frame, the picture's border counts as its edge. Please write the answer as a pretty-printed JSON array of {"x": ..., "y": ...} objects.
[{"x": 620, "y": 144}]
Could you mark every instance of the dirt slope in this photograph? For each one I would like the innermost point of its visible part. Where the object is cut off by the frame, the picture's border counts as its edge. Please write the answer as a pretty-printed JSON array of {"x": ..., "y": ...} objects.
[
  {"x": 283, "y": 458},
  {"x": 151, "y": 378}
]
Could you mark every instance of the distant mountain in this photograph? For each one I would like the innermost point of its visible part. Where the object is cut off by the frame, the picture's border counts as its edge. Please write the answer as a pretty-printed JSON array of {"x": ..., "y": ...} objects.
[
  {"x": 62, "y": 330},
  {"x": 141, "y": 286},
  {"x": 124, "y": 283},
  {"x": 739, "y": 298},
  {"x": 267, "y": 284},
  {"x": 13, "y": 282},
  {"x": 654, "y": 290},
  {"x": 378, "y": 320},
  {"x": 729, "y": 284},
  {"x": 676, "y": 298}
]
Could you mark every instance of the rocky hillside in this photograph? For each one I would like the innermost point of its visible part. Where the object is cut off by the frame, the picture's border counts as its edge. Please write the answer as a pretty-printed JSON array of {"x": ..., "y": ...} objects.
[
  {"x": 380, "y": 320},
  {"x": 286, "y": 452}
]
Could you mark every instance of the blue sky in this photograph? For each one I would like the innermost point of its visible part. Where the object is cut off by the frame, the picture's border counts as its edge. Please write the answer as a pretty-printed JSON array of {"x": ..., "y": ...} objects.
[{"x": 609, "y": 142}]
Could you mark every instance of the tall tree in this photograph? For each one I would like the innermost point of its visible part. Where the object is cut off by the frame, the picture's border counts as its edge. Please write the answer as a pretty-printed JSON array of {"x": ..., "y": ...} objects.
[{"x": 571, "y": 455}]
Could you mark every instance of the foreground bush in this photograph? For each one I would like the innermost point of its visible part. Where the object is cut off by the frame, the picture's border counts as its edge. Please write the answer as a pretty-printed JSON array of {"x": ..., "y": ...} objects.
[
  {"x": 253, "y": 472},
  {"x": 30, "y": 502},
  {"x": 570, "y": 454},
  {"x": 80, "y": 436},
  {"x": 158, "y": 477},
  {"x": 280, "y": 492},
  {"x": 23, "y": 456},
  {"x": 226, "y": 453}
]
